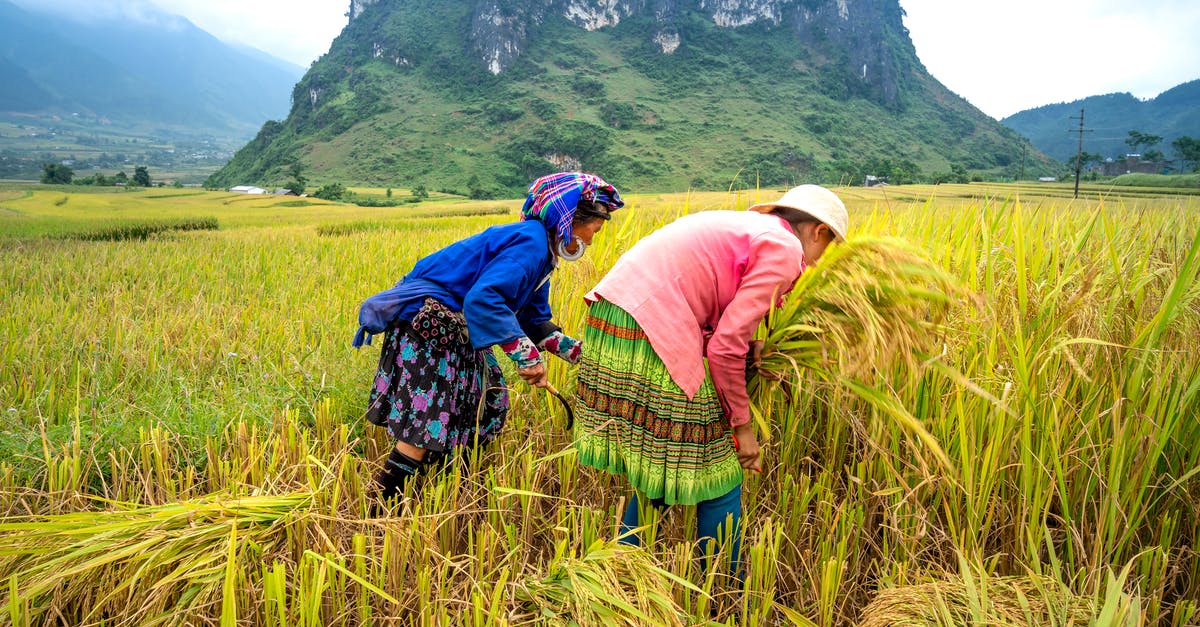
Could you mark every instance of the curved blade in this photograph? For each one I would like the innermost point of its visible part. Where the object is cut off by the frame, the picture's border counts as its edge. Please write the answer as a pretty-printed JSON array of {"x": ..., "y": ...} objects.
[{"x": 566, "y": 406}]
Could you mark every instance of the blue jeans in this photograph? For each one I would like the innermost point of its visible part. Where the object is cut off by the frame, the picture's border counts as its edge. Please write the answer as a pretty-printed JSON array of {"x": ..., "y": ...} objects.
[{"x": 710, "y": 518}]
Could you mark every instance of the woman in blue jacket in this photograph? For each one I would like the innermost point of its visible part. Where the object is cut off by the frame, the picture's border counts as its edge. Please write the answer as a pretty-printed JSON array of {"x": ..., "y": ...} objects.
[{"x": 438, "y": 386}]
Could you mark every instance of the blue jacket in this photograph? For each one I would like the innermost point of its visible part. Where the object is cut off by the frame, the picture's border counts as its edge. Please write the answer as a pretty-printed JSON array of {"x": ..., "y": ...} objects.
[{"x": 499, "y": 279}]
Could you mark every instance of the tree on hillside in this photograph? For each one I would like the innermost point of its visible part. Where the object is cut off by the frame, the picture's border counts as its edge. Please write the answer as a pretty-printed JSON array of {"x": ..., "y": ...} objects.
[
  {"x": 1085, "y": 160},
  {"x": 899, "y": 171},
  {"x": 141, "y": 176},
  {"x": 1188, "y": 149},
  {"x": 618, "y": 114},
  {"x": 298, "y": 181},
  {"x": 957, "y": 174},
  {"x": 477, "y": 190},
  {"x": 98, "y": 179},
  {"x": 333, "y": 191},
  {"x": 1137, "y": 138},
  {"x": 57, "y": 174}
]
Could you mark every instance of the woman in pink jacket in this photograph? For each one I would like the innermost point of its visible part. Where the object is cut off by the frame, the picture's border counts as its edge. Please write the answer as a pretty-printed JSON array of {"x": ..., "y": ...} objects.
[{"x": 692, "y": 291}]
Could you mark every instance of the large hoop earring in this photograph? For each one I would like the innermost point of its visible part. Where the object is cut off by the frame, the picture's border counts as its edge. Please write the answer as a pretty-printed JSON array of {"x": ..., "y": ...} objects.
[{"x": 566, "y": 256}]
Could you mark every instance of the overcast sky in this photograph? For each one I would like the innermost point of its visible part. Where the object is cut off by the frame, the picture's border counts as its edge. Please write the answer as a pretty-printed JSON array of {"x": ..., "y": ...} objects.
[
  {"x": 1010, "y": 55},
  {"x": 1001, "y": 55},
  {"x": 293, "y": 30}
]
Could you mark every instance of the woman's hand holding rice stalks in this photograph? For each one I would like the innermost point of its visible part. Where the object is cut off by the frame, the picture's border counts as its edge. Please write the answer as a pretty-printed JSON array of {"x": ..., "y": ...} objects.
[{"x": 869, "y": 305}]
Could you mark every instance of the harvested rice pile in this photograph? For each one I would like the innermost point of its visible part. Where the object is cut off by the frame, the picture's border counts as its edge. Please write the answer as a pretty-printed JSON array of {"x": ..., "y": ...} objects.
[
  {"x": 609, "y": 584},
  {"x": 146, "y": 563},
  {"x": 996, "y": 601}
]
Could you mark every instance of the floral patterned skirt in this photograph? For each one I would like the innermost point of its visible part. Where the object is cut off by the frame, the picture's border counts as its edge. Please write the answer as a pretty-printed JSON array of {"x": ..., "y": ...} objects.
[{"x": 432, "y": 390}]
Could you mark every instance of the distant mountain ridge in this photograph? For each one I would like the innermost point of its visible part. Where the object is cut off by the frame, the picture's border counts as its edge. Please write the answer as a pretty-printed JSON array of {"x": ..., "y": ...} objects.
[
  {"x": 165, "y": 72},
  {"x": 480, "y": 96},
  {"x": 1110, "y": 117}
]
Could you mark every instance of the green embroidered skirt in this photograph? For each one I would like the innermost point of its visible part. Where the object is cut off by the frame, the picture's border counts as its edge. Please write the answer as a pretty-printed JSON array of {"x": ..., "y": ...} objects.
[{"x": 635, "y": 421}]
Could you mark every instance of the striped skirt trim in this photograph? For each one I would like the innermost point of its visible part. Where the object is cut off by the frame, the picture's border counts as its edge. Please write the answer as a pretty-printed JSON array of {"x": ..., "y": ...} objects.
[{"x": 635, "y": 421}]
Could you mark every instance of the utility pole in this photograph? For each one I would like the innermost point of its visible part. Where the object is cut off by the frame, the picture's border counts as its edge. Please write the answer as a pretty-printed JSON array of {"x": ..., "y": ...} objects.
[
  {"x": 1022, "y": 177},
  {"x": 1079, "y": 150}
]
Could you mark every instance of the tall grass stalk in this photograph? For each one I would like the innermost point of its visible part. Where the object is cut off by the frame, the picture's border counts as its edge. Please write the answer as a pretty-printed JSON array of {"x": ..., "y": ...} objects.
[{"x": 1064, "y": 392}]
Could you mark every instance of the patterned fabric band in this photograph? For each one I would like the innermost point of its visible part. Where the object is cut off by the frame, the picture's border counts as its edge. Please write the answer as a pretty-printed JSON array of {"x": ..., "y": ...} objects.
[
  {"x": 634, "y": 420},
  {"x": 552, "y": 200},
  {"x": 522, "y": 351},
  {"x": 566, "y": 347}
]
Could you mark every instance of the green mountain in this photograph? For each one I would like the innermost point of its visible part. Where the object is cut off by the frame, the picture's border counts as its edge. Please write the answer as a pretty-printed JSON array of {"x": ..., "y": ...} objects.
[
  {"x": 480, "y": 96},
  {"x": 1170, "y": 115},
  {"x": 152, "y": 70},
  {"x": 20, "y": 90}
]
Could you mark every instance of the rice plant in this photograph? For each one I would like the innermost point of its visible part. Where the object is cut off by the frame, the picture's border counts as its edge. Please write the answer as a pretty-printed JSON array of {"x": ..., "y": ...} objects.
[
  {"x": 140, "y": 565},
  {"x": 609, "y": 584},
  {"x": 183, "y": 444},
  {"x": 974, "y": 598},
  {"x": 141, "y": 230},
  {"x": 870, "y": 304}
]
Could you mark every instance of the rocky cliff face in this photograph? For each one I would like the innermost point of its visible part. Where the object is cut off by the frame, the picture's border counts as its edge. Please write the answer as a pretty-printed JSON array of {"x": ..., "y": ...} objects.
[
  {"x": 358, "y": 6},
  {"x": 482, "y": 96},
  {"x": 856, "y": 35}
]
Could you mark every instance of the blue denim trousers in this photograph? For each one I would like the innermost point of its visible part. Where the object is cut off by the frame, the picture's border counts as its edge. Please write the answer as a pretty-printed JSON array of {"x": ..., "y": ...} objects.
[{"x": 710, "y": 522}]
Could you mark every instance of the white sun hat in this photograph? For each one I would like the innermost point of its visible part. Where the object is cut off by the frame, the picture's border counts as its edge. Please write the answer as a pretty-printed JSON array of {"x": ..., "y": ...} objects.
[{"x": 816, "y": 201}]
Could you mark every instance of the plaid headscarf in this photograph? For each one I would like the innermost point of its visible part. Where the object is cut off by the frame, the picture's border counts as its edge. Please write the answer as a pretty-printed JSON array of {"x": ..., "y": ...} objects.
[{"x": 552, "y": 199}]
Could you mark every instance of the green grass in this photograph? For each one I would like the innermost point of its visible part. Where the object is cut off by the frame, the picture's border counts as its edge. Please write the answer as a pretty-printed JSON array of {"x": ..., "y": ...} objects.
[
  {"x": 1159, "y": 180},
  {"x": 210, "y": 373}
]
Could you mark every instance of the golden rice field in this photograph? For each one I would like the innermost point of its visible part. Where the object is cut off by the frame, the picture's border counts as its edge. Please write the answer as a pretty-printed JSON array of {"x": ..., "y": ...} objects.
[{"x": 182, "y": 442}]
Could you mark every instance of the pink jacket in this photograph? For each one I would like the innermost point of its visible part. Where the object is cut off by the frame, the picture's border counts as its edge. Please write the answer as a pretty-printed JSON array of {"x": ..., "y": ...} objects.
[{"x": 699, "y": 286}]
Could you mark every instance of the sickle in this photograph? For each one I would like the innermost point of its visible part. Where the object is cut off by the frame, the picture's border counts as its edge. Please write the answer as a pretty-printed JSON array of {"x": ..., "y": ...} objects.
[{"x": 566, "y": 405}]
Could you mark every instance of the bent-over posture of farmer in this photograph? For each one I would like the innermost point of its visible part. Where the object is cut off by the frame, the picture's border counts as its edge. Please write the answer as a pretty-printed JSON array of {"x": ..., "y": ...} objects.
[
  {"x": 694, "y": 290},
  {"x": 438, "y": 387}
]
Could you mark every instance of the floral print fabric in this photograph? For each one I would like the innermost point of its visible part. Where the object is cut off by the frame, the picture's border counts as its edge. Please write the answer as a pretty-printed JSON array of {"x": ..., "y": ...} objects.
[
  {"x": 565, "y": 346},
  {"x": 432, "y": 390},
  {"x": 522, "y": 351}
]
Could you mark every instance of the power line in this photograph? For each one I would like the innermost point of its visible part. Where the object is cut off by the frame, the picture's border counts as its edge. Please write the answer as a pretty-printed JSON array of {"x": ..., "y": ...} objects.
[{"x": 1079, "y": 150}]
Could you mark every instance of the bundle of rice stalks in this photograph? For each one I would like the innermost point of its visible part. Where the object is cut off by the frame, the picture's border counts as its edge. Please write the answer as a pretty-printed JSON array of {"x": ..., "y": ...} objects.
[
  {"x": 144, "y": 229},
  {"x": 1001, "y": 601},
  {"x": 609, "y": 584},
  {"x": 869, "y": 305},
  {"x": 138, "y": 565}
]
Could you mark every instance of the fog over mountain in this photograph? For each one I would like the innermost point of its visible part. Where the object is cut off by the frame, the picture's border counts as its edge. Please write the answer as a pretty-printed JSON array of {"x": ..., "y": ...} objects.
[{"x": 131, "y": 64}]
